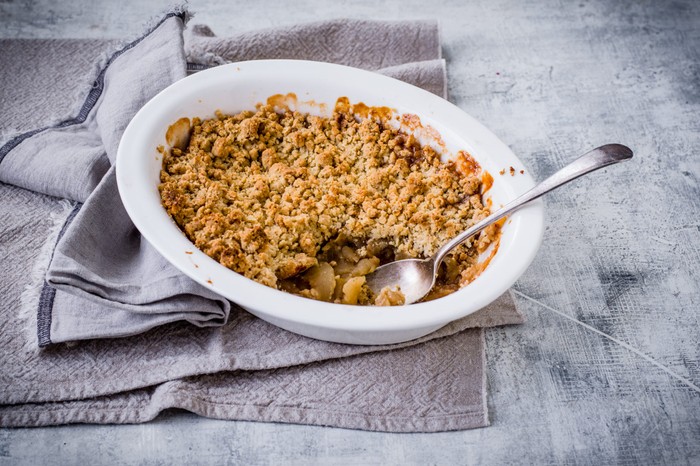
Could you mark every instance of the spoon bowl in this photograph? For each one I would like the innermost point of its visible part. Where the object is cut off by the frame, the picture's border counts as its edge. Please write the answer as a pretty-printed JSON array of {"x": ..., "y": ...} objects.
[{"x": 414, "y": 277}]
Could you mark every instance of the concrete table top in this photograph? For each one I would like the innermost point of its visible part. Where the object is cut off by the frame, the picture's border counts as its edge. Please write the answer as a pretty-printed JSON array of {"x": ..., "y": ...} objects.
[{"x": 607, "y": 368}]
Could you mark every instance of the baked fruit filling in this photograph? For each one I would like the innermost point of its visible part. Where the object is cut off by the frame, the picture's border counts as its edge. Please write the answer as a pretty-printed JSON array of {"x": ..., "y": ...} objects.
[{"x": 311, "y": 205}]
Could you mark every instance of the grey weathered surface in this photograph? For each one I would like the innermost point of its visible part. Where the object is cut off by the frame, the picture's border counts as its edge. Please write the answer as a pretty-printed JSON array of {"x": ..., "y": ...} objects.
[{"x": 621, "y": 251}]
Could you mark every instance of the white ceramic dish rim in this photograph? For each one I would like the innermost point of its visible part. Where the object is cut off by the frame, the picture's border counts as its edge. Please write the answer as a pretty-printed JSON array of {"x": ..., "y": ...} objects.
[{"x": 137, "y": 192}]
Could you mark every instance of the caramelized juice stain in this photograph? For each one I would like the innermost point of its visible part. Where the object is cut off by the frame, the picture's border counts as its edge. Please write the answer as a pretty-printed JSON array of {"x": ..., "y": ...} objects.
[
  {"x": 486, "y": 182},
  {"x": 283, "y": 100},
  {"x": 466, "y": 164},
  {"x": 290, "y": 101},
  {"x": 477, "y": 269},
  {"x": 413, "y": 123}
]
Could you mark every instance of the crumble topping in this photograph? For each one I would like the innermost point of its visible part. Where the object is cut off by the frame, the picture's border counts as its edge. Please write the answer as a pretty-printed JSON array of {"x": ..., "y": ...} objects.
[{"x": 311, "y": 204}]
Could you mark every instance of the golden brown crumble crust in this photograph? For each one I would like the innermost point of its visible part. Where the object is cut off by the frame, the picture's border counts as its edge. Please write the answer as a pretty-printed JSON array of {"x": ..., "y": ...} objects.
[{"x": 275, "y": 196}]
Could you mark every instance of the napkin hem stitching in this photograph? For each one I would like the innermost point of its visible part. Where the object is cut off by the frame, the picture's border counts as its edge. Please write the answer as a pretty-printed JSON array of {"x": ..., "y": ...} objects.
[
  {"x": 29, "y": 299},
  {"x": 48, "y": 293}
]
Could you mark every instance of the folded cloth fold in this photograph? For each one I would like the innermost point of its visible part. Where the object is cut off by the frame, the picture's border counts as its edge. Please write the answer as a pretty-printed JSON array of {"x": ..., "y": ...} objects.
[{"x": 100, "y": 260}]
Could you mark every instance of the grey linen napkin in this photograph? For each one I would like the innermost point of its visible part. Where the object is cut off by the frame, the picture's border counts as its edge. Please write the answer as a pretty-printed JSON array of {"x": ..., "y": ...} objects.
[{"x": 245, "y": 369}]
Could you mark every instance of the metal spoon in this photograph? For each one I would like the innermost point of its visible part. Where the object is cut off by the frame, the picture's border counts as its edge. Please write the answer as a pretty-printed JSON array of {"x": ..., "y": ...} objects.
[{"x": 416, "y": 277}]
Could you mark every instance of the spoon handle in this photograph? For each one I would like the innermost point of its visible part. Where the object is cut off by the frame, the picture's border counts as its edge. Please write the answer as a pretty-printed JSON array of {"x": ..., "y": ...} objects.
[{"x": 593, "y": 160}]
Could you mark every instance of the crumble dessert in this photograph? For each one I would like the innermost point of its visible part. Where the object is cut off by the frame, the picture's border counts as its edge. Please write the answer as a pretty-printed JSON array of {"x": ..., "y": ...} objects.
[{"x": 310, "y": 205}]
